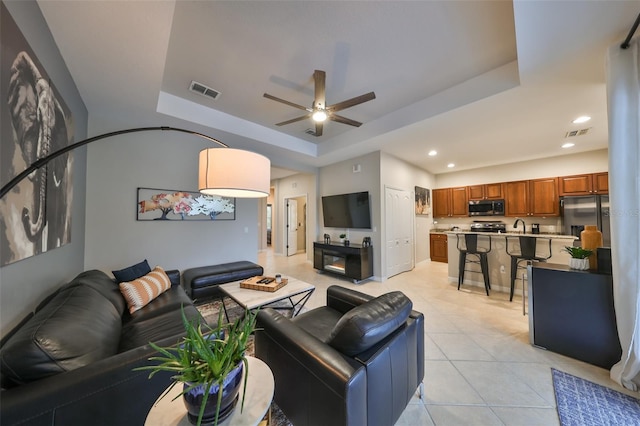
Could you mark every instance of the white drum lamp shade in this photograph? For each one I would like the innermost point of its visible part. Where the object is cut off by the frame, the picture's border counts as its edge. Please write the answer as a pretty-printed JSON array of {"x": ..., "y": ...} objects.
[{"x": 232, "y": 172}]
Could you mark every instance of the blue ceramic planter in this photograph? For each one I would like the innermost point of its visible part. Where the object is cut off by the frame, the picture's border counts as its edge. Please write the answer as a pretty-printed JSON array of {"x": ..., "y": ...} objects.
[{"x": 230, "y": 389}]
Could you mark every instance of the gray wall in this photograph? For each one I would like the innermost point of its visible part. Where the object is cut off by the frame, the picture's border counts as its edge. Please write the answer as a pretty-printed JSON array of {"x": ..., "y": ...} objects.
[
  {"x": 23, "y": 284},
  {"x": 295, "y": 186},
  {"x": 340, "y": 178},
  {"x": 162, "y": 160}
]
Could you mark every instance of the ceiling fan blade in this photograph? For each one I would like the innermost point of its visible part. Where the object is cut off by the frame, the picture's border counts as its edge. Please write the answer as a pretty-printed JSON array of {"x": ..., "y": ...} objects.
[
  {"x": 273, "y": 98},
  {"x": 344, "y": 120},
  {"x": 293, "y": 120},
  {"x": 352, "y": 102},
  {"x": 319, "y": 78},
  {"x": 318, "y": 129}
]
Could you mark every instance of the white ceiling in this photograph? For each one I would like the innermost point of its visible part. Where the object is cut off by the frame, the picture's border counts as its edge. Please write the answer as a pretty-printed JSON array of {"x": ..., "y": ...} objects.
[{"x": 481, "y": 82}]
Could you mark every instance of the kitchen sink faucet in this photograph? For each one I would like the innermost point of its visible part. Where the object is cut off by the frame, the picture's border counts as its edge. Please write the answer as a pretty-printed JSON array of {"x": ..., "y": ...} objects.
[{"x": 524, "y": 227}]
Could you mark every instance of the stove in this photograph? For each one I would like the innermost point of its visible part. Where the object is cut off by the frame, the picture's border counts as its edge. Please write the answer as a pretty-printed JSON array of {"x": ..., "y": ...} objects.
[{"x": 488, "y": 226}]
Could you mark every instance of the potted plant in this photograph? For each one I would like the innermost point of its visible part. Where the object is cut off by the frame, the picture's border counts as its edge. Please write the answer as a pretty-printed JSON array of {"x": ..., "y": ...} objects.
[
  {"x": 579, "y": 257},
  {"x": 209, "y": 361}
]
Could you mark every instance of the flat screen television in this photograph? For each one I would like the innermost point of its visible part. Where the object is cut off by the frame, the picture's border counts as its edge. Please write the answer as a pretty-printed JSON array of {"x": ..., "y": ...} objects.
[{"x": 347, "y": 211}]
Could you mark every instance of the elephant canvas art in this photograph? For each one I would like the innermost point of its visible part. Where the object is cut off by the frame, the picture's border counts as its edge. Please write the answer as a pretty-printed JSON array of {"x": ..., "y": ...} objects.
[{"x": 35, "y": 216}]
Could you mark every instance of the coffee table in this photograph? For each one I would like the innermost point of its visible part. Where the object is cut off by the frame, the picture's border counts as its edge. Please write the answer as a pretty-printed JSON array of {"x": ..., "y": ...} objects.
[
  {"x": 296, "y": 292},
  {"x": 258, "y": 397}
]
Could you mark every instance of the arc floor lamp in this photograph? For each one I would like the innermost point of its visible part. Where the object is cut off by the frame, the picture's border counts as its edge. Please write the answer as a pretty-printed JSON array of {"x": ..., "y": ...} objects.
[{"x": 222, "y": 171}]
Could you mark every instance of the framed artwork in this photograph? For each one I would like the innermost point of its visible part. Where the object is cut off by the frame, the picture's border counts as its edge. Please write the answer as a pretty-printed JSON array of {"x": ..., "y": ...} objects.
[
  {"x": 168, "y": 204},
  {"x": 423, "y": 201},
  {"x": 35, "y": 216}
]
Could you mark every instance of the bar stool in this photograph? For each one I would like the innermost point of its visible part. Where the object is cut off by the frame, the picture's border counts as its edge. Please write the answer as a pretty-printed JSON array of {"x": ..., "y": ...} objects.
[
  {"x": 470, "y": 247},
  {"x": 526, "y": 250}
]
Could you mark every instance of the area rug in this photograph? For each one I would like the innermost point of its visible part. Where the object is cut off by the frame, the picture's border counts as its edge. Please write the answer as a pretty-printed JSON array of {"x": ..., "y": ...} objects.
[
  {"x": 584, "y": 403},
  {"x": 210, "y": 312}
]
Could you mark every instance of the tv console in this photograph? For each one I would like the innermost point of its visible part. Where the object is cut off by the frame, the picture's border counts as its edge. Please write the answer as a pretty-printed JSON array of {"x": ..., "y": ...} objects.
[{"x": 353, "y": 261}]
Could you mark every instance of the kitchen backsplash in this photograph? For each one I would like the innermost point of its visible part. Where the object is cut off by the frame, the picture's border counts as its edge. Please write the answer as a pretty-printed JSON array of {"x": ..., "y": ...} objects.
[{"x": 551, "y": 225}]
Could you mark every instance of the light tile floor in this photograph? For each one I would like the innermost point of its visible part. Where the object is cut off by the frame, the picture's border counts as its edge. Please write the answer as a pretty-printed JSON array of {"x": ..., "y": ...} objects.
[{"x": 479, "y": 366}]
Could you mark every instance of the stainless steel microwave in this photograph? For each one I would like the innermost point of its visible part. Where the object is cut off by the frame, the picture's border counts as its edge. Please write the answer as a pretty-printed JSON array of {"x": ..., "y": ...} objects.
[{"x": 486, "y": 208}]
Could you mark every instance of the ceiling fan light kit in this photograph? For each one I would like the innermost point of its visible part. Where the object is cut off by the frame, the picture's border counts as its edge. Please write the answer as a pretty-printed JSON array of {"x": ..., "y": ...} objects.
[
  {"x": 319, "y": 112},
  {"x": 319, "y": 116}
]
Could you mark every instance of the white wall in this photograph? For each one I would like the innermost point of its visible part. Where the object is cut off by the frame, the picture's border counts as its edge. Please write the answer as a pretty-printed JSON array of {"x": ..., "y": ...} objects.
[
  {"x": 398, "y": 174},
  {"x": 25, "y": 283},
  {"x": 163, "y": 160},
  {"x": 562, "y": 165}
]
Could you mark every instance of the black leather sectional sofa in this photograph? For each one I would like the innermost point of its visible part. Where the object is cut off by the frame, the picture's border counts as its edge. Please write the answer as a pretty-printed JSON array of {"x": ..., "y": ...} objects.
[{"x": 71, "y": 362}]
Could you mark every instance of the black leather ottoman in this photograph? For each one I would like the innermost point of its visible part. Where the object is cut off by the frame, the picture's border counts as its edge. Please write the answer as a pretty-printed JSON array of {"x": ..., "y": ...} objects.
[{"x": 202, "y": 283}]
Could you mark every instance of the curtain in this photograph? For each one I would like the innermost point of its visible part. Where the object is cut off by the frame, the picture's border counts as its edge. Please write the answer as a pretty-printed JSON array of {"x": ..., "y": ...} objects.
[{"x": 623, "y": 105}]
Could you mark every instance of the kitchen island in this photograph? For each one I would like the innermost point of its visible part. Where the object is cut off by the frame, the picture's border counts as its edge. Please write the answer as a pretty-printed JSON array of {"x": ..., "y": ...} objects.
[{"x": 498, "y": 259}]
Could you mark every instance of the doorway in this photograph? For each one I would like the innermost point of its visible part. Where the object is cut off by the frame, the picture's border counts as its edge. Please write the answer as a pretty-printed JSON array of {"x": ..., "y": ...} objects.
[
  {"x": 269, "y": 223},
  {"x": 295, "y": 225}
]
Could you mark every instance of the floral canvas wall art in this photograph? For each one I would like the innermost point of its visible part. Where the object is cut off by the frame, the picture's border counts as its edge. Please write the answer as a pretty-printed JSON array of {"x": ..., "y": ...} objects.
[{"x": 165, "y": 204}]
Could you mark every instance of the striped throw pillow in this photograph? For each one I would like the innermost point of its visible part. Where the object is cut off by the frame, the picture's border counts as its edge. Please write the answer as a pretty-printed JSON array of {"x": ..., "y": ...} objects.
[{"x": 139, "y": 292}]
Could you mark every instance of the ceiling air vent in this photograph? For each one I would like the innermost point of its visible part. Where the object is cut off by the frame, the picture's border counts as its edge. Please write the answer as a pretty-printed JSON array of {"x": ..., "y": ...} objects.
[
  {"x": 573, "y": 133},
  {"x": 310, "y": 132},
  {"x": 203, "y": 90}
]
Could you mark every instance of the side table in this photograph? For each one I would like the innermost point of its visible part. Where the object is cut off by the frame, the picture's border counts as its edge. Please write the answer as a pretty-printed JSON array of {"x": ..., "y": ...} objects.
[{"x": 259, "y": 394}]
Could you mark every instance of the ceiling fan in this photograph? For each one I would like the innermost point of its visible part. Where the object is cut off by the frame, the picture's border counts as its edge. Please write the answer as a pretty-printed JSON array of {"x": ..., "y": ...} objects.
[{"x": 319, "y": 111}]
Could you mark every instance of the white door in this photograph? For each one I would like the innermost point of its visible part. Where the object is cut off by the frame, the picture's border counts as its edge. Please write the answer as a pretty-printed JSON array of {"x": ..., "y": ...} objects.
[
  {"x": 407, "y": 216},
  {"x": 392, "y": 243},
  {"x": 399, "y": 231},
  {"x": 292, "y": 226}
]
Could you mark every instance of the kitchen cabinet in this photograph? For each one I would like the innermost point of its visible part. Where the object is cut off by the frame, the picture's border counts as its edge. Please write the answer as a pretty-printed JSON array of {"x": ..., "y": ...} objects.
[
  {"x": 571, "y": 313},
  {"x": 536, "y": 197},
  {"x": 587, "y": 184},
  {"x": 489, "y": 191},
  {"x": 450, "y": 202},
  {"x": 438, "y": 247}
]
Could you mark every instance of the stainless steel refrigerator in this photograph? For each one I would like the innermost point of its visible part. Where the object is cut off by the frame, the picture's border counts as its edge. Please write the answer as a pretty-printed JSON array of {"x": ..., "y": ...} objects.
[{"x": 579, "y": 211}]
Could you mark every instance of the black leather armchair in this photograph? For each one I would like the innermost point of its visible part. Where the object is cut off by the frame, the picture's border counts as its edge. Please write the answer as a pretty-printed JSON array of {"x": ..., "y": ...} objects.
[{"x": 356, "y": 361}]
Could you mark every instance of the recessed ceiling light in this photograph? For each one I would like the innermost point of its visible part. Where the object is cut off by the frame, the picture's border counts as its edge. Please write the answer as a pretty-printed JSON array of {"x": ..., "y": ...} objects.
[
  {"x": 581, "y": 119},
  {"x": 433, "y": 153},
  {"x": 568, "y": 145},
  {"x": 450, "y": 165}
]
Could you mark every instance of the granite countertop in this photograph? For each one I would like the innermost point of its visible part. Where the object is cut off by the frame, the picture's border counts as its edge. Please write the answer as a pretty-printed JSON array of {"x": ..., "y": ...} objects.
[{"x": 514, "y": 234}]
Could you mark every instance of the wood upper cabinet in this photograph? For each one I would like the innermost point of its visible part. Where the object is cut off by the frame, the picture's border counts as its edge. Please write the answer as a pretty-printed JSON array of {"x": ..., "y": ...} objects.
[
  {"x": 587, "y": 184},
  {"x": 536, "y": 197},
  {"x": 441, "y": 202},
  {"x": 439, "y": 248},
  {"x": 516, "y": 198},
  {"x": 450, "y": 202},
  {"x": 489, "y": 191},
  {"x": 459, "y": 202},
  {"x": 601, "y": 183}
]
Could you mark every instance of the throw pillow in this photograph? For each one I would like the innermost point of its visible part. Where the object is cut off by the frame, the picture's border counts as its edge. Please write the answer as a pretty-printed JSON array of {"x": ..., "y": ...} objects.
[
  {"x": 132, "y": 272},
  {"x": 365, "y": 325},
  {"x": 139, "y": 292}
]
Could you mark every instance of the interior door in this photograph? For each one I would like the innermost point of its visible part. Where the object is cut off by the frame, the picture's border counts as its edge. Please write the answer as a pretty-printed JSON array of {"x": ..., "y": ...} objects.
[
  {"x": 405, "y": 231},
  {"x": 292, "y": 226},
  {"x": 399, "y": 231},
  {"x": 392, "y": 198}
]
